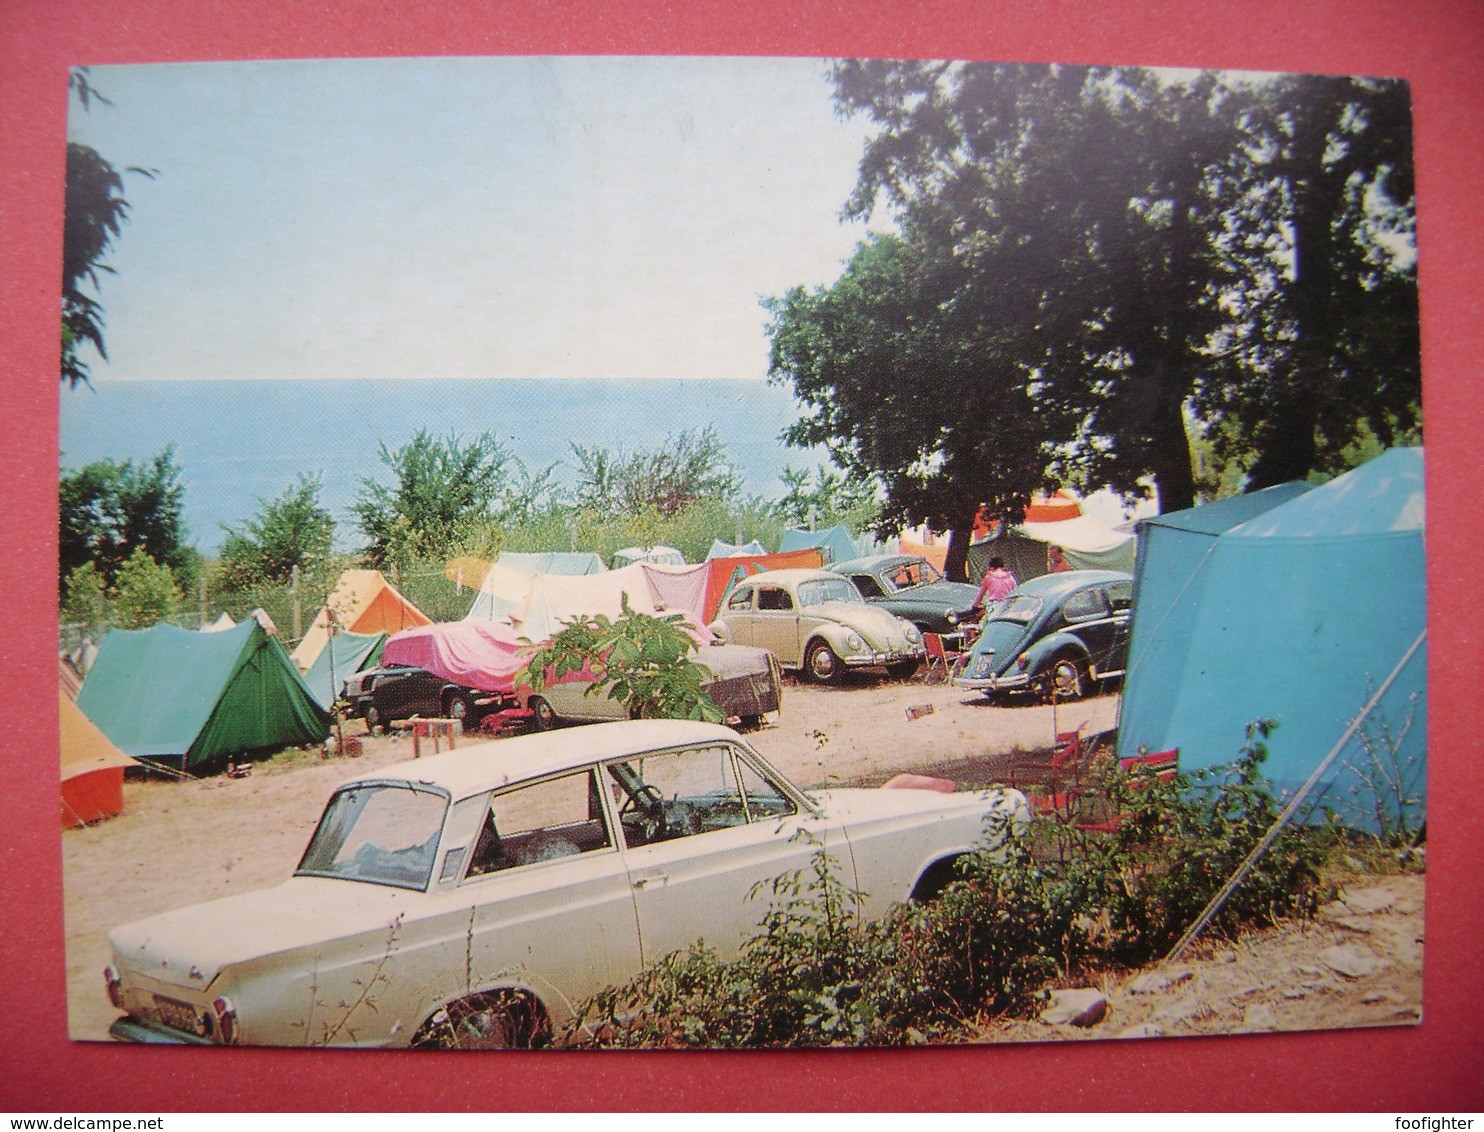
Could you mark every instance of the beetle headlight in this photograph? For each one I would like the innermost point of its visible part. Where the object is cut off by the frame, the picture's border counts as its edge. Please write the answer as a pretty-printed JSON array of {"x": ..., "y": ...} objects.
[
  {"x": 854, "y": 642},
  {"x": 953, "y": 617},
  {"x": 914, "y": 634}
]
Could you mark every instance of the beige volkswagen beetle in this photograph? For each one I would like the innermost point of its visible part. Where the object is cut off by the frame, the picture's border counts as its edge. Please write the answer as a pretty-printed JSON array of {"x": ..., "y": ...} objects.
[
  {"x": 816, "y": 621},
  {"x": 477, "y": 897}
]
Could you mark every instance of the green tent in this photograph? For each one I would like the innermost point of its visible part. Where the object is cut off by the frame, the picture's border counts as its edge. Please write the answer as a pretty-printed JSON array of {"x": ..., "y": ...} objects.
[
  {"x": 348, "y": 654},
  {"x": 169, "y": 693}
]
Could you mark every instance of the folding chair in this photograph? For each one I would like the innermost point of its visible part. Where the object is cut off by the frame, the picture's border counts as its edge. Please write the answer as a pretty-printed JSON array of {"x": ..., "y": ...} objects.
[{"x": 942, "y": 665}]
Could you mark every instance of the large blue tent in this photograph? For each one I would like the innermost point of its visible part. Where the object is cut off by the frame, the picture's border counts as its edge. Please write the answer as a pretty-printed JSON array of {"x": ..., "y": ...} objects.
[{"x": 1296, "y": 606}]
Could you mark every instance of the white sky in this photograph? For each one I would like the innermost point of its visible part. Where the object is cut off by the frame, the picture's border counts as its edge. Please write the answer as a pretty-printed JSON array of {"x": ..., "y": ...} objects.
[{"x": 450, "y": 218}]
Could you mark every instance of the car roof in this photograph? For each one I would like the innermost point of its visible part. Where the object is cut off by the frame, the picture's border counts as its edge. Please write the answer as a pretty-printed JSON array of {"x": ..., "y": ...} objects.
[
  {"x": 474, "y": 769},
  {"x": 876, "y": 561},
  {"x": 1055, "y": 585}
]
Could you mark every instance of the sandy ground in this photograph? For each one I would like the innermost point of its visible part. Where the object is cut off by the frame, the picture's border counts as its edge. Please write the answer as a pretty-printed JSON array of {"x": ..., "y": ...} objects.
[{"x": 180, "y": 843}]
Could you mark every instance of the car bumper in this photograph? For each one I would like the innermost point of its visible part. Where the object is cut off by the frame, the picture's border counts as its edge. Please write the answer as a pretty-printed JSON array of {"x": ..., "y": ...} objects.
[
  {"x": 876, "y": 659},
  {"x": 131, "y": 1029},
  {"x": 993, "y": 683}
]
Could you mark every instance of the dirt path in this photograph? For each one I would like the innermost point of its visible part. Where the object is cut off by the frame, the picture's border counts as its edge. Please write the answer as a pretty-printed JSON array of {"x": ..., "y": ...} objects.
[{"x": 180, "y": 843}]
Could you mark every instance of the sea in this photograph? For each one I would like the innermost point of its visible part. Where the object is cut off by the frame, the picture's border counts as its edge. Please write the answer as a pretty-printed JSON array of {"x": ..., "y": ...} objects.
[{"x": 241, "y": 442}]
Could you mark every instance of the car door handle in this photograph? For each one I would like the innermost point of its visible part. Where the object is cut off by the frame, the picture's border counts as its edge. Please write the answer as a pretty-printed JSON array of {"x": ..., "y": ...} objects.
[{"x": 645, "y": 882}]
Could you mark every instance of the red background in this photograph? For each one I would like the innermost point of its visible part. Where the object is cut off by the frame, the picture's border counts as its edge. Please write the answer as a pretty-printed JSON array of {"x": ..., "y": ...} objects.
[{"x": 1436, "y": 44}]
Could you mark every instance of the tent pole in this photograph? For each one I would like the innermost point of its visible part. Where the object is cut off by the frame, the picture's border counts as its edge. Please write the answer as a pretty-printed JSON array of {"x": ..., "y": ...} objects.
[{"x": 1209, "y": 912}]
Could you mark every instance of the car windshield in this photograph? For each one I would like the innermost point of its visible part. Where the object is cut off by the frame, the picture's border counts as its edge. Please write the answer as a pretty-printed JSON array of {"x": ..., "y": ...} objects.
[
  {"x": 909, "y": 574},
  {"x": 381, "y": 833},
  {"x": 1020, "y": 608},
  {"x": 820, "y": 590}
]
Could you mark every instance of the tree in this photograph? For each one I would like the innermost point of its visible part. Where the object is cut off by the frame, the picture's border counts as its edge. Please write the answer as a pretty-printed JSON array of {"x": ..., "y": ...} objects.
[
  {"x": 1087, "y": 259},
  {"x": 828, "y": 498},
  {"x": 110, "y": 509},
  {"x": 95, "y": 212},
  {"x": 441, "y": 490},
  {"x": 686, "y": 468},
  {"x": 84, "y": 596},
  {"x": 639, "y": 660},
  {"x": 144, "y": 593},
  {"x": 291, "y": 530}
]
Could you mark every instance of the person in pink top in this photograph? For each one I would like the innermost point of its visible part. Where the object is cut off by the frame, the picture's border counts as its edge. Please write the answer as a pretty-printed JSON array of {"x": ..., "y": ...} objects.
[{"x": 997, "y": 584}]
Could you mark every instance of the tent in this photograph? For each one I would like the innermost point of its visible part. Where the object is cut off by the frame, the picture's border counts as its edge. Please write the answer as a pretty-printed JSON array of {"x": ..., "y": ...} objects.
[
  {"x": 936, "y": 553},
  {"x": 169, "y": 693},
  {"x": 662, "y": 555},
  {"x": 1295, "y": 606},
  {"x": 221, "y": 624},
  {"x": 508, "y": 582},
  {"x": 835, "y": 543},
  {"x": 346, "y": 654},
  {"x": 364, "y": 602},
  {"x": 648, "y": 588},
  {"x": 92, "y": 769},
  {"x": 1087, "y": 543},
  {"x": 720, "y": 549}
]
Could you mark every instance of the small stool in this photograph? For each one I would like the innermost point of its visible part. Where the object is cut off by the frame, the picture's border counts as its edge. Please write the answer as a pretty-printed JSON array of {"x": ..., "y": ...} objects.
[{"x": 435, "y": 728}]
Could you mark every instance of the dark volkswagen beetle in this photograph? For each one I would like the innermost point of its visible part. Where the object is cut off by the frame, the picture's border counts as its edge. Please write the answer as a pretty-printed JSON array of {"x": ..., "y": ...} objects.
[
  {"x": 909, "y": 586},
  {"x": 1054, "y": 636}
]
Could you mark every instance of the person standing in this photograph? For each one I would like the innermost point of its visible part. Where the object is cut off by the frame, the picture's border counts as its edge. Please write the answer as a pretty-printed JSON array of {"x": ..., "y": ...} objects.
[{"x": 997, "y": 584}]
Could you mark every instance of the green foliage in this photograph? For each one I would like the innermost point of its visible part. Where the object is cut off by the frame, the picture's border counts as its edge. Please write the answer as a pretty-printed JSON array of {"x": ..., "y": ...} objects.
[
  {"x": 1085, "y": 256},
  {"x": 441, "y": 492},
  {"x": 289, "y": 531},
  {"x": 639, "y": 660},
  {"x": 144, "y": 593},
  {"x": 109, "y": 509},
  {"x": 83, "y": 597},
  {"x": 685, "y": 469},
  {"x": 1020, "y": 913},
  {"x": 828, "y": 498},
  {"x": 94, "y": 214}
]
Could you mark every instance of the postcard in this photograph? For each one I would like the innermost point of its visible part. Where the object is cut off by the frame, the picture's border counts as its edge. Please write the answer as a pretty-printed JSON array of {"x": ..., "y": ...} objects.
[{"x": 672, "y": 552}]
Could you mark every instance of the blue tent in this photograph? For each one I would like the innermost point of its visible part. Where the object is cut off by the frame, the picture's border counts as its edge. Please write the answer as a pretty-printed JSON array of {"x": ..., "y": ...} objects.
[
  {"x": 1297, "y": 606},
  {"x": 836, "y": 543}
]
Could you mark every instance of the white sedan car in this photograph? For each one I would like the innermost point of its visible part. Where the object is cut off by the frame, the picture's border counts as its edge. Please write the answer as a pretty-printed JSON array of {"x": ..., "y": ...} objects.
[{"x": 477, "y": 897}]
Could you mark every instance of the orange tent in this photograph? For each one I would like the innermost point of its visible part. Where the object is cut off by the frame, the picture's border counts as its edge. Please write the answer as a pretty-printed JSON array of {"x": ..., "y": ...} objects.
[
  {"x": 937, "y": 553},
  {"x": 363, "y": 602},
  {"x": 92, "y": 769},
  {"x": 724, "y": 571}
]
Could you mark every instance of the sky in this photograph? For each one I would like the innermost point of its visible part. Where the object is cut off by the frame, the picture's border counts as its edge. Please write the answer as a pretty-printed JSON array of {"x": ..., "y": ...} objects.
[{"x": 465, "y": 217}]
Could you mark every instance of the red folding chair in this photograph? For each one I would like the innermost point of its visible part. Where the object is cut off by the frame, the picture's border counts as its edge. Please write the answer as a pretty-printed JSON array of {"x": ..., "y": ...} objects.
[{"x": 942, "y": 665}]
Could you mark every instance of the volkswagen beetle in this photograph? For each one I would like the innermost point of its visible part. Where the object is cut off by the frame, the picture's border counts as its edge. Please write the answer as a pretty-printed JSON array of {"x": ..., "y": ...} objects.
[{"x": 816, "y": 621}]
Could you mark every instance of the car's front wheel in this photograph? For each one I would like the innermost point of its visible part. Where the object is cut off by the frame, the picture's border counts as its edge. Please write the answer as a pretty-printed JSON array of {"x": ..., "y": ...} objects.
[
  {"x": 822, "y": 664},
  {"x": 456, "y": 706},
  {"x": 374, "y": 719}
]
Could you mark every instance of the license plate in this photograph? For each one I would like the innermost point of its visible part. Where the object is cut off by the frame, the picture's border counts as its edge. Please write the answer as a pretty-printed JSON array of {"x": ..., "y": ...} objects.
[{"x": 178, "y": 1015}]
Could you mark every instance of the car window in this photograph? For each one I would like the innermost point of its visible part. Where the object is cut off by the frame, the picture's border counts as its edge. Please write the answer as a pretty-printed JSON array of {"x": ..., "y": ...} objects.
[
  {"x": 1121, "y": 596},
  {"x": 1020, "y": 608},
  {"x": 678, "y": 794},
  {"x": 867, "y": 585},
  {"x": 381, "y": 833},
  {"x": 543, "y": 821},
  {"x": 818, "y": 591},
  {"x": 770, "y": 597},
  {"x": 1085, "y": 606},
  {"x": 740, "y": 599},
  {"x": 764, "y": 797}
]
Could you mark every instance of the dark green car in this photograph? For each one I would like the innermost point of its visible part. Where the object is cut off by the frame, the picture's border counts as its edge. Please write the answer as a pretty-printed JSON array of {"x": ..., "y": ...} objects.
[{"x": 911, "y": 587}]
